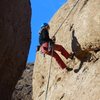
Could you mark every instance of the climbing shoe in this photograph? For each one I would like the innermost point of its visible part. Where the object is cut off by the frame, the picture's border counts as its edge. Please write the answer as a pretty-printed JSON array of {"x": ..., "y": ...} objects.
[
  {"x": 72, "y": 55},
  {"x": 76, "y": 70},
  {"x": 69, "y": 69}
]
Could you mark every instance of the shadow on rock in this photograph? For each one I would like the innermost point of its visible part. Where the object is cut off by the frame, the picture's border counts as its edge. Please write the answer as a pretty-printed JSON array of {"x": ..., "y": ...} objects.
[{"x": 82, "y": 55}]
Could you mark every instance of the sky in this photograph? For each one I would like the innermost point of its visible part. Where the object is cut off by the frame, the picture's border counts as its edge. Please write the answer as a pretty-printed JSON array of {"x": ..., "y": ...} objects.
[{"x": 42, "y": 11}]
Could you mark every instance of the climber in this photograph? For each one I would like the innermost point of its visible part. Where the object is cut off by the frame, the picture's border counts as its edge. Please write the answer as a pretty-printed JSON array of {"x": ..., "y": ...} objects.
[{"x": 47, "y": 45}]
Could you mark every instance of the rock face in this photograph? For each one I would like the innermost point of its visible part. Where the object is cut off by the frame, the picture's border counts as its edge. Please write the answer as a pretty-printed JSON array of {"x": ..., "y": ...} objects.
[
  {"x": 23, "y": 89},
  {"x": 14, "y": 43},
  {"x": 79, "y": 33}
]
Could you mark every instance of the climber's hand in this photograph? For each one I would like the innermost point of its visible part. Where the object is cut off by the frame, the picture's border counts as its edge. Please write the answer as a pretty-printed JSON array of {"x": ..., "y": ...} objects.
[
  {"x": 38, "y": 48},
  {"x": 53, "y": 38}
]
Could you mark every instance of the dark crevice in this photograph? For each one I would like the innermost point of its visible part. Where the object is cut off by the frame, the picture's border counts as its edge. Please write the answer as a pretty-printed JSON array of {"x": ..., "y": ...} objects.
[
  {"x": 41, "y": 93},
  {"x": 62, "y": 96},
  {"x": 96, "y": 50},
  {"x": 85, "y": 2},
  {"x": 71, "y": 27},
  {"x": 59, "y": 79},
  {"x": 42, "y": 84},
  {"x": 42, "y": 81}
]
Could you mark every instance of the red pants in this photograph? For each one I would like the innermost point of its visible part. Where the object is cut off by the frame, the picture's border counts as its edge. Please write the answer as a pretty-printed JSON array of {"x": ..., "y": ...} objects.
[{"x": 44, "y": 49}]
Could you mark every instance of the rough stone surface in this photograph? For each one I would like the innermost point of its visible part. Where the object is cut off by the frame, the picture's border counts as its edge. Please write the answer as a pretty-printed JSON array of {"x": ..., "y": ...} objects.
[
  {"x": 80, "y": 33},
  {"x": 23, "y": 89},
  {"x": 14, "y": 43}
]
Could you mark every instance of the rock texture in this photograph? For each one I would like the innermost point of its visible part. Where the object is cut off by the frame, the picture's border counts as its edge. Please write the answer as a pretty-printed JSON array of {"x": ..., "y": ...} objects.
[
  {"x": 23, "y": 89},
  {"x": 14, "y": 43},
  {"x": 79, "y": 33}
]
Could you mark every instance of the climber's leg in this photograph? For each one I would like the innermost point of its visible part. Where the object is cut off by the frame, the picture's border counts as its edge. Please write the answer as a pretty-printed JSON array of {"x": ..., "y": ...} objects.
[
  {"x": 61, "y": 49},
  {"x": 58, "y": 59},
  {"x": 44, "y": 49}
]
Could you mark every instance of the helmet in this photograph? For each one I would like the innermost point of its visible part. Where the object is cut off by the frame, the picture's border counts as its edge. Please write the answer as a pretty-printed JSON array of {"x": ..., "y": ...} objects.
[{"x": 44, "y": 25}]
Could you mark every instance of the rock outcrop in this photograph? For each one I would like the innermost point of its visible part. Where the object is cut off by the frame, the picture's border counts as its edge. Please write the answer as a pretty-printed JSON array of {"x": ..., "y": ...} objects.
[
  {"x": 23, "y": 89},
  {"x": 15, "y": 34},
  {"x": 79, "y": 33}
]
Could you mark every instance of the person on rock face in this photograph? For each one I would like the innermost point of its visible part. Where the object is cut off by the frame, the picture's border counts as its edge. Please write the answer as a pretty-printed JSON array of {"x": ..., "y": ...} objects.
[{"x": 48, "y": 45}]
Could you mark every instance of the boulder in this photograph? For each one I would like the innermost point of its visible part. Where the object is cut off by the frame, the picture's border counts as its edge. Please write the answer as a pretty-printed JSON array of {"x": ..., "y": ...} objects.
[{"x": 15, "y": 36}]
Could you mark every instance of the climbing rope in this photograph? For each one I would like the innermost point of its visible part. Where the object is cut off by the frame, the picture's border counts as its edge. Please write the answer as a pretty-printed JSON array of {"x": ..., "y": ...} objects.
[
  {"x": 46, "y": 94},
  {"x": 49, "y": 75},
  {"x": 66, "y": 17}
]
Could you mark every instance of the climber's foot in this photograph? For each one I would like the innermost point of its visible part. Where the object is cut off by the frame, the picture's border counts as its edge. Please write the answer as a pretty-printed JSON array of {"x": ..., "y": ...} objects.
[
  {"x": 72, "y": 55},
  {"x": 69, "y": 69},
  {"x": 76, "y": 70}
]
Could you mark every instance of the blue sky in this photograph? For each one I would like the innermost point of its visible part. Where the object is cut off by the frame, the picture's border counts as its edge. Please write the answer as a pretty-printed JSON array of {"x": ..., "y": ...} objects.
[{"x": 42, "y": 11}]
